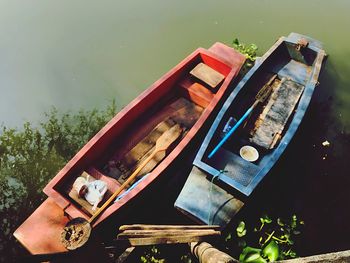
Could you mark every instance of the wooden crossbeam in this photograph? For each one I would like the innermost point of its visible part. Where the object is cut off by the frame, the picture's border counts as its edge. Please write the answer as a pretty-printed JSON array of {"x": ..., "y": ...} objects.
[{"x": 140, "y": 235}]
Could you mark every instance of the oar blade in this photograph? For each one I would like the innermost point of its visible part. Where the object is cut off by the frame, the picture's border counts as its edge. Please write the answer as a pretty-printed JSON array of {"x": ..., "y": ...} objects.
[{"x": 76, "y": 233}]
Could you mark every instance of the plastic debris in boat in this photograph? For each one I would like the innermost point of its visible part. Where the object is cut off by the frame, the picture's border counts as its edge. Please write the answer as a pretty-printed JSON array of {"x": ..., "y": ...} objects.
[{"x": 130, "y": 188}]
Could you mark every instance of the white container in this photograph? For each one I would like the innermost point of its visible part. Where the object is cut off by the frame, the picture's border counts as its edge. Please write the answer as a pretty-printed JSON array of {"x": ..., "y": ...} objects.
[{"x": 249, "y": 153}]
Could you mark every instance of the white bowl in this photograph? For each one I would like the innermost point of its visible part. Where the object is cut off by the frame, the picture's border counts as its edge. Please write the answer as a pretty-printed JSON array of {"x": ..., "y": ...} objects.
[{"x": 249, "y": 153}]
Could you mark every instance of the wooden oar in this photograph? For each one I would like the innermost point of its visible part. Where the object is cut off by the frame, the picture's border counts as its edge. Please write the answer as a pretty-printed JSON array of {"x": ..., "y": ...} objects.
[
  {"x": 262, "y": 95},
  {"x": 77, "y": 231}
]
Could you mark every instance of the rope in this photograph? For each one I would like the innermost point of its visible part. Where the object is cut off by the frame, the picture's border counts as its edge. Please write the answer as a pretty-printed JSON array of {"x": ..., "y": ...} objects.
[{"x": 210, "y": 195}]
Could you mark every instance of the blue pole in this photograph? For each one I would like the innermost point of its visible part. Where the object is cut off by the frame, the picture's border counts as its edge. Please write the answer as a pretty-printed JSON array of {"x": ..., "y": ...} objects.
[{"x": 223, "y": 140}]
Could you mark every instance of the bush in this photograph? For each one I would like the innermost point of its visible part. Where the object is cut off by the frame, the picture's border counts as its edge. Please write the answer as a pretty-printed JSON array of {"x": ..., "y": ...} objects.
[{"x": 30, "y": 156}]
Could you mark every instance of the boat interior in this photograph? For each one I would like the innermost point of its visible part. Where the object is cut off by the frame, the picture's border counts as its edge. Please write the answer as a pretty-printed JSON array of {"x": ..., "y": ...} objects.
[
  {"x": 180, "y": 97},
  {"x": 287, "y": 70}
]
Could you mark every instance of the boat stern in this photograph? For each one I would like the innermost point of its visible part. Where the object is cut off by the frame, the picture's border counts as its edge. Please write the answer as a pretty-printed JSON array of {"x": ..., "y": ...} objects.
[{"x": 41, "y": 232}]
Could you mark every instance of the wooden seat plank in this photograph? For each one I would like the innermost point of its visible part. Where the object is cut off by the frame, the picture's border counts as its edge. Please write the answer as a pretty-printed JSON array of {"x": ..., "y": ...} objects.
[{"x": 208, "y": 75}]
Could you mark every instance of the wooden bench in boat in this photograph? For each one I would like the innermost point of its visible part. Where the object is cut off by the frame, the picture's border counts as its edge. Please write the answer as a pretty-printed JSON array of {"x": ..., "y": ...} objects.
[
  {"x": 196, "y": 92},
  {"x": 207, "y": 75}
]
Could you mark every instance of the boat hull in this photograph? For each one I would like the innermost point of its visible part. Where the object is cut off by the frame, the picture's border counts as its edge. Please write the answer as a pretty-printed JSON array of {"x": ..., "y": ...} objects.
[
  {"x": 168, "y": 96},
  {"x": 227, "y": 177}
]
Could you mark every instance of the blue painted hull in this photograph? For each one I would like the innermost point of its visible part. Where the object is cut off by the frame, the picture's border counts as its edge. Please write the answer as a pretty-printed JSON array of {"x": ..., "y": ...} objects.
[{"x": 220, "y": 184}]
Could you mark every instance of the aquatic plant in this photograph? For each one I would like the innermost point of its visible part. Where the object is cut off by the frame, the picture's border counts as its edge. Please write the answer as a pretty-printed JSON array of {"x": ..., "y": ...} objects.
[
  {"x": 31, "y": 155},
  {"x": 163, "y": 254},
  {"x": 249, "y": 51},
  {"x": 151, "y": 255},
  {"x": 271, "y": 240}
]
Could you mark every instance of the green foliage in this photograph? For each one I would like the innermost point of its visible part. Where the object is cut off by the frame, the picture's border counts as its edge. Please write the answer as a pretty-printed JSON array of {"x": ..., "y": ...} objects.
[
  {"x": 248, "y": 50},
  {"x": 152, "y": 255},
  {"x": 163, "y": 254},
  {"x": 271, "y": 240},
  {"x": 30, "y": 156},
  {"x": 250, "y": 254},
  {"x": 241, "y": 230}
]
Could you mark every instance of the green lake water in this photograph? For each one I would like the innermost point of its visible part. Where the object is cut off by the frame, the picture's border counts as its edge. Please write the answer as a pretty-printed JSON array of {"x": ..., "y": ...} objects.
[{"x": 82, "y": 54}]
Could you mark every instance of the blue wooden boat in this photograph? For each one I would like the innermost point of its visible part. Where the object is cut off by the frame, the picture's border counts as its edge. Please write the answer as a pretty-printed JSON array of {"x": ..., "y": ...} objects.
[{"x": 223, "y": 177}]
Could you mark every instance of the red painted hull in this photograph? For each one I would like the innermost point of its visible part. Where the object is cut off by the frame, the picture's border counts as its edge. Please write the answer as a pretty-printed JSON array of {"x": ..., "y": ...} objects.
[{"x": 59, "y": 207}]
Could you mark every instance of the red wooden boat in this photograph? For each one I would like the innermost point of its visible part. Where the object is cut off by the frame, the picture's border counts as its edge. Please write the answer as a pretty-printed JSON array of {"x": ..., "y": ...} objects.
[{"x": 186, "y": 95}]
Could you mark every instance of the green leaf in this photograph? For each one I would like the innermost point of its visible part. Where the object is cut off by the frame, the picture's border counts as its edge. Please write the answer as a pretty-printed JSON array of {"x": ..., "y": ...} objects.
[
  {"x": 252, "y": 255},
  {"x": 271, "y": 251},
  {"x": 267, "y": 220},
  {"x": 235, "y": 42},
  {"x": 241, "y": 231},
  {"x": 280, "y": 222},
  {"x": 255, "y": 258},
  {"x": 228, "y": 237}
]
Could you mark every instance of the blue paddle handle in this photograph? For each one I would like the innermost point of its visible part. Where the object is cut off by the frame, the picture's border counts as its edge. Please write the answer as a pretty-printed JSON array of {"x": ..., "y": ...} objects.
[{"x": 223, "y": 140}]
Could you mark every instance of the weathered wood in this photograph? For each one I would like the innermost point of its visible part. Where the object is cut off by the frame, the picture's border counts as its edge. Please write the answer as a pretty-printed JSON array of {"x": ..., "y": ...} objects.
[
  {"x": 335, "y": 257},
  {"x": 196, "y": 92},
  {"x": 137, "y": 235},
  {"x": 183, "y": 112},
  {"x": 165, "y": 233},
  {"x": 144, "y": 146},
  {"x": 123, "y": 257},
  {"x": 162, "y": 144},
  {"x": 206, "y": 253},
  {"x": 179, "y": 239},
  {"x": 208, "y": 75},
  {"x": 166, "y": 227},
  {"x": 272, "y": 121}
]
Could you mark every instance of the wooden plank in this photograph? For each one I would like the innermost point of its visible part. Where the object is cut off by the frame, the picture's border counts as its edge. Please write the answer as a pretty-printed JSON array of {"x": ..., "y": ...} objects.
[
  {"x": 123, "y": 257},
  {"x": 165, "y": 233},
  {"x": 207, "y": 75},
  {"x": 272, "y": 121},
  {"x": 198, "y": 94},
  {"x": 138, "y": 235},
  {"x": 129, "y": 162},
  {"x": 206, "y": 253},
  {"x": 164, "y": 227},
  {"x": 184, "y": 113},
  {"x": 168, "y": 240}
]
